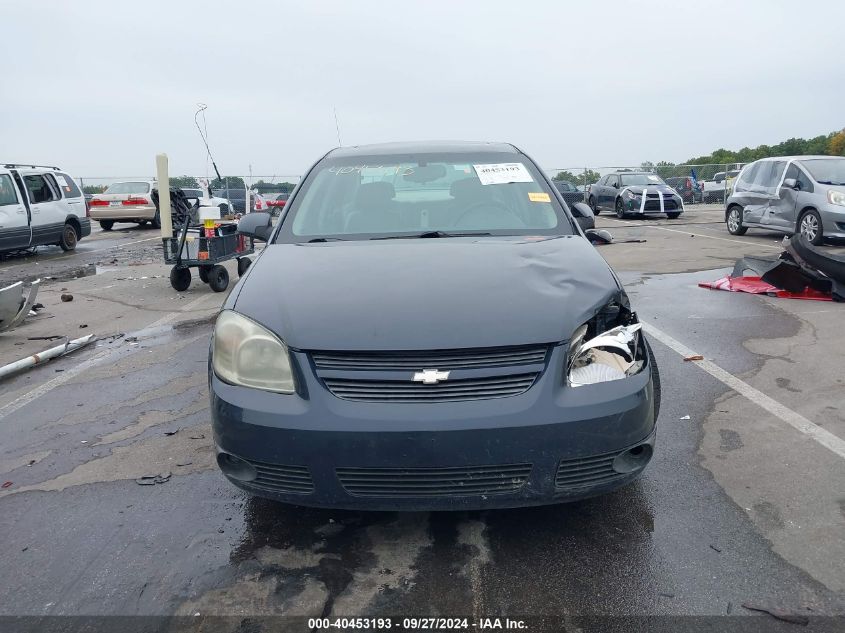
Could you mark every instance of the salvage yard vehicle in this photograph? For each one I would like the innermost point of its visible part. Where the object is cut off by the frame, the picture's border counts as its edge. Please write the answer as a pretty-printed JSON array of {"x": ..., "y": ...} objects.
[
  {"x": 640, "y": 193},
  {"x": 720, "y": 186},
  {"x": 428, "y": 327},
  {"x": 221, "y": 203},
  {"x": 790, "y": 194},
  {"x": 689, "y": 190},
  {"x": 40, "y": 206},
  {"x": 125, "y": 202},
  {"x": 569, "y": 191}
]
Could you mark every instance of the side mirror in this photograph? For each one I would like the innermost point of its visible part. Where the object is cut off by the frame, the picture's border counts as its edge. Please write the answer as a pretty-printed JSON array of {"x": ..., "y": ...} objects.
[
  {"x": 598, "y": 236},
  {"x": 257, "y": 225},
  {"x": 791, "y": 183},
  {"x": 584, "y": 216}
]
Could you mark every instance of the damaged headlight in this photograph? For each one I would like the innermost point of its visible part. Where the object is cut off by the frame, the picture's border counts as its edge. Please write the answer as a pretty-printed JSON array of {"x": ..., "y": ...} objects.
[
  {"x": 629, "y": 195},
  {"x": 612, "y": 354},
  {"x": 249, "y": 355}
]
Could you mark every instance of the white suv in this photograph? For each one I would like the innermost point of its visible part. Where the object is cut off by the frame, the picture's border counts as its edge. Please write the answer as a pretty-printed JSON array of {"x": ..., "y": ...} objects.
[{"x": 39, "y": 206}]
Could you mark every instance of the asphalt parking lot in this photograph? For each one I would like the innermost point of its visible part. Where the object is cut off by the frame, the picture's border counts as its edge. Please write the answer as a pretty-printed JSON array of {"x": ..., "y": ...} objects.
[{"x": 744, "y": 501}]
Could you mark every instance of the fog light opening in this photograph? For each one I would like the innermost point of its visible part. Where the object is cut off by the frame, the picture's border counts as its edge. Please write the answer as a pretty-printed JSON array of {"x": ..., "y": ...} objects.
[
  {"x": 635, "y": 458},
  {"x": 235, "y": 467}
]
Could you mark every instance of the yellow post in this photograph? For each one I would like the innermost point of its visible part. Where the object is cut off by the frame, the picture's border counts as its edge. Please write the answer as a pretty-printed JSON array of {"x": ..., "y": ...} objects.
[{"x": 164, "y": 196}]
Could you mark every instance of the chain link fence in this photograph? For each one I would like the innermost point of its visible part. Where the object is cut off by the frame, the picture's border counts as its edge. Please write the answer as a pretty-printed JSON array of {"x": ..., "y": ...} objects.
[{"x": 697, "y": 184}]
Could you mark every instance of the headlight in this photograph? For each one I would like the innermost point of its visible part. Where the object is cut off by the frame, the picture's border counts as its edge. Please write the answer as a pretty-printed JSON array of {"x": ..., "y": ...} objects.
[
  {"x": 836, "y": 197},
  {"x": 249, "y": 355},
  {"x": 629, "y": 195},
  {"x": 612, "y": 355}
]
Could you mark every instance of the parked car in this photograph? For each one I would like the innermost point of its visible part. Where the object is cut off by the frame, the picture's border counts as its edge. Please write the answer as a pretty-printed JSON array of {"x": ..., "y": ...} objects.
[
  {"x": 428, "y": 327},
  {"x": 790, "y": 194},
  {"x": 129, "y": 201},
  {"x": 40, "y": 206},
  {"x": 631, "y": 192},
  {"x": 278, "y": 201},
  {"x": 569, "y": 191},
  {"x": 236, "y": 197},
  {"x": 690, "y": 192},
  {"x": 720, "y": 186},
  {"x": 224, "y": 205}
]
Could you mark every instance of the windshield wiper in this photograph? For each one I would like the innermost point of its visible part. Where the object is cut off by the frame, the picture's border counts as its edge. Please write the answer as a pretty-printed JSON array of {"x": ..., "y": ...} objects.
[
  {"x": 325, "y": 239},
  {"x": 428, "y": 234}
]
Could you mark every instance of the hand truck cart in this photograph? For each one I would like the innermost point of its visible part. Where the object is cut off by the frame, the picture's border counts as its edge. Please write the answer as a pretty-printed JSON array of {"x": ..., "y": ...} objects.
[{"x": 202, "y": 247}]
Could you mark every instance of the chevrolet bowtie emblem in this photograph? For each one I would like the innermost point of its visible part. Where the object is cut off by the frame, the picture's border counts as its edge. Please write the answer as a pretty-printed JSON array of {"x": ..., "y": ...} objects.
[{"x": 430, "y": 376}]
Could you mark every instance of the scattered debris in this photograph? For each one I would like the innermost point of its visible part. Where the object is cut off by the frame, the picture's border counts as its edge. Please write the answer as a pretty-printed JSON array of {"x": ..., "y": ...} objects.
[
  {"x": 84, "y": 325},
  {"x": 66, "y": 298},
  {"x": 801, "y": 272},
  {"x": 36, "y": 359},
  {"x": 31, "y": 462},
  {"x": 114, "y": 337},
  {"x": 666, "y": 594},
  {"x": 84, "y": 442},
  {"x": 686, "y": 417},
  {"x": 171, "y": 432},
  {"x": 52, "y": 337},
  {"x": 131, "y": 339},
  {"x": 777, "y": 612},
  {"x": 184, "y": 463},
  {"x": 201, "y": 436},
  {"x": 6, "y": 484},
  {"x": 730, "y": 608},
  {"x": 694, "y": 357},
  {"x": 150, "y": 480},
  {"x": 14, "y": 307},
  {"x": 715, "y": 549}
]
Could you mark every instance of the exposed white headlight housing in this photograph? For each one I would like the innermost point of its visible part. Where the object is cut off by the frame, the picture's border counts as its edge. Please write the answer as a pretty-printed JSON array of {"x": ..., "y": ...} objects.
[
  {"x": 250, "y": 355},
  {"x": 606, "y": 357}
]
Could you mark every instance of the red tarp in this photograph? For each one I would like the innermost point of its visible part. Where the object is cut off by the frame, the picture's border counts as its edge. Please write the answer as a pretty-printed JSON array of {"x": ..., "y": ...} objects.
[{"x": 757, "y": 286}]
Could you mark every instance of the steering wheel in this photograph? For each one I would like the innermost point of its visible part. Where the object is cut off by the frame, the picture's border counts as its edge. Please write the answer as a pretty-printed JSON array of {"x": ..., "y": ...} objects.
[{"x": 501, "y": 210}]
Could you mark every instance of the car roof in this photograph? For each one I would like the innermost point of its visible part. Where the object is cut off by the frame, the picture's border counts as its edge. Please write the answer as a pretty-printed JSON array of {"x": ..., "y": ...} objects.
[
  {"x": 807, "y": 157},
  {"x": 423, "y": 147}
]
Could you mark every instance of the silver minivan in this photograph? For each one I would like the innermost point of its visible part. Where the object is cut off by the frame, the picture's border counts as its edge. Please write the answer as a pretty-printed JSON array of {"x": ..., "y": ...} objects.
[{"x": 790, "y": 194}]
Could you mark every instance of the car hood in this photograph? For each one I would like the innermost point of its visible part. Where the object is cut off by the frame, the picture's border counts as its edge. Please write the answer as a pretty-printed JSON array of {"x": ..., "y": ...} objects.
[
  {"x": 638, "y": 189},
  {"x": 413, "y": 294}
]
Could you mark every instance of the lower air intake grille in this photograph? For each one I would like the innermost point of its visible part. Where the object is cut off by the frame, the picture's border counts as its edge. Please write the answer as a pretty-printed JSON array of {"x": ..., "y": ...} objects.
[
  {"x": 586, "y": 471},
  {"x": 433, "y": 482},
  {"x": 450, "y": 391},
  {"x": 275, "y": 478}
]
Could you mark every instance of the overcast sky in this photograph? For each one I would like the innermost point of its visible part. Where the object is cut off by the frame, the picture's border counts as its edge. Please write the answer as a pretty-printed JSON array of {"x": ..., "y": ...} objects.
[{"x": 101, "y": 86}]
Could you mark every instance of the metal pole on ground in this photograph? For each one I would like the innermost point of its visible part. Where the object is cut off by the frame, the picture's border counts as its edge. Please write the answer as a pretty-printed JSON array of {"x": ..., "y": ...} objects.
[{"x": 164, "y": 196}]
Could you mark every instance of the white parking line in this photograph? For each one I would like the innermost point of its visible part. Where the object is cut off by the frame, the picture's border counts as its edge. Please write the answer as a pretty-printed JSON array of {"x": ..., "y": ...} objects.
[
  {"x": 824, "y": 437},
  {"x": 68, "y": 374},
  {"x": 709, "y": 237}
]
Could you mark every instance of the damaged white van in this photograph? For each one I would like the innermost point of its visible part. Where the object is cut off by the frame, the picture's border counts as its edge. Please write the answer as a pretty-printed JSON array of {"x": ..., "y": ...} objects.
[{"x": 40, "y": 206}]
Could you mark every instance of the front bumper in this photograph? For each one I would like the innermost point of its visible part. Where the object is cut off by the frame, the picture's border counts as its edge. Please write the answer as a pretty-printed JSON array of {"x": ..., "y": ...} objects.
[
  {"x": 547, "y": 445},
  {"x": 833, "y": 221}
]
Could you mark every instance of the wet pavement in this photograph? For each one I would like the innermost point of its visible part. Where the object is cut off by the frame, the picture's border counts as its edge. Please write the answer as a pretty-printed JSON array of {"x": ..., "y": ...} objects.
[{"x": 735, "y": 507}]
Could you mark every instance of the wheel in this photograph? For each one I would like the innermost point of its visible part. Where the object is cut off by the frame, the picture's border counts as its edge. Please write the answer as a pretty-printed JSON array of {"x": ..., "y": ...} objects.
[
  {"x": 204, "y": 270},
  {"x": 810, "y": 226},
  {"x": 106, "y": 224},
  {"x": 243, "y": 265},
  {"x": 593, "y": 205},
  {"x": 620, "y": 208},
  {"x": 180, "y": 278},
  {"x": 69, "y": 238},
  {"x": 734, "y": 221},
  {"x": 218, "y": 278},
  {"x": 156, "y": 221},
  {"x": 673, "y": 216}
]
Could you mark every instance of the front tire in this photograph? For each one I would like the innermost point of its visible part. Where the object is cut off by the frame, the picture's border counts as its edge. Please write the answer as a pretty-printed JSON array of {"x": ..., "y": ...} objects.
[
  {"x": 69, "y": 238},
  {"x": 106, "y": 225},
  {"x": 594, "y": 206},
  {"x": 734, "y": 221},
  {"x": 620, "y": 209},
  {"x": 673, "y": 216},
  {"x": 810, "y": 227},
  {"x": 156, "y": 221},
  {"x": 218, "y": 278}
]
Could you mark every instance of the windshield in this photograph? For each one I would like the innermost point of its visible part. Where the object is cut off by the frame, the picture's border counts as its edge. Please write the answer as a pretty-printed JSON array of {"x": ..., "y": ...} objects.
[
  {"x": 386, "y": 196},
  {"x": 231, "y": 194},
  {"x": 128, "y": 187},
  {"x": 826, "y": 171},
  {"x": 641, "y": 179}
]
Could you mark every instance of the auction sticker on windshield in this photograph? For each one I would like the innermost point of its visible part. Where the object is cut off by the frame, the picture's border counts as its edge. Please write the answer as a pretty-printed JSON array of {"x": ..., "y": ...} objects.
[{"x": 502, "y": 173}]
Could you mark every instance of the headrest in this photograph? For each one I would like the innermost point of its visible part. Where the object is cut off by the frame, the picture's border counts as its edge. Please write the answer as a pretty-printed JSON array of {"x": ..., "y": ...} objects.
[
  {"x": 468, "y": 189},
  {"x": 374, "y": 194}
]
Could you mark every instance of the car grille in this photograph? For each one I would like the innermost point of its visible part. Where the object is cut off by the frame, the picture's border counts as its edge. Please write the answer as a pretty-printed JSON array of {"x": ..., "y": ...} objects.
[
  {"x": 654, "y": 205},
  {"x": 451, "y": 391},
  {"x": 433, "y": 482},
  {"x": 586, "y": 471},
  {"x": 277, "y": 478},
  {"x": 443, "y": 360}
]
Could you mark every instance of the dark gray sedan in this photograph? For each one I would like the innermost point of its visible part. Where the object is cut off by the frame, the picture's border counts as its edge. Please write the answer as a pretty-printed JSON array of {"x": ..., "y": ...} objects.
[{"x": 429, "y": 328}]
